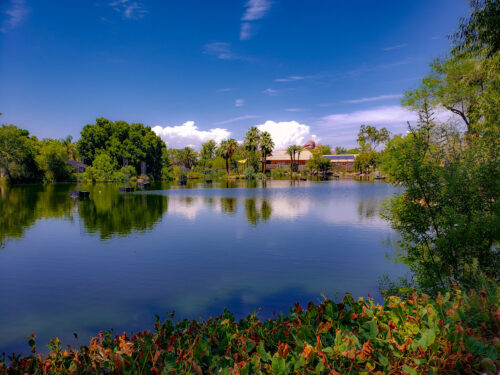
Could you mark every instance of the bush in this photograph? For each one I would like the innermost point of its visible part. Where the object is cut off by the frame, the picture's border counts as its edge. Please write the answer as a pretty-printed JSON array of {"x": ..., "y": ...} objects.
[
  {"x": 455, "y": 333},
  {"x": 279, "y": 172},
  {"x": 249, "y": 173},
  {"x": 103, "y": 170},
  {"x": 194, "y": 175}
]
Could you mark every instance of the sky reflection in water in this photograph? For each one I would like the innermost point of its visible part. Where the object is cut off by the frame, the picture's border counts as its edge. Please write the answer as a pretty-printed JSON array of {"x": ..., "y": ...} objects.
[{"x": 114, "y": 260}]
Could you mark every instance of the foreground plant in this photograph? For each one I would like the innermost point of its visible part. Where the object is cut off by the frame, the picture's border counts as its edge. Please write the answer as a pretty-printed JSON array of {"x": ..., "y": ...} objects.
[{"x": 453, "y": 333}]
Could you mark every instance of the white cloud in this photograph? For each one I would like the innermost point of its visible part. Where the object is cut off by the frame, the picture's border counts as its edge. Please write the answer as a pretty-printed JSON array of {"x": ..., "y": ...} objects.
[
  {"x": 342, "y": 128},
  {"x": 188, "y": 134},
  {"x": 292, "y": 78},
  {"x": 255, "y": 10},
  {"x": 129, "y": 9},
  {"x": 395, "y": 47},
  {"x": 270, "y": 92},
  {"x": 372, "y": 99},
  {"x": 221, "y": 50},
  {"x": 224, "y": 89},
  {"x": 246, "y": 31},
  {"x": 15, "y": 14},
  {"x": 246, "y": 117},
  {"x": 239, "y": 102},
  {"x": 294, "y": 109},
  {"x": 287, "y": 133},
  {"x": 376, "y": 116}
]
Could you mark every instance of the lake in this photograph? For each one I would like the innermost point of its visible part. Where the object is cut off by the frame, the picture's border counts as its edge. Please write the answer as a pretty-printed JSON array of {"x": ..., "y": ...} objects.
[{"x": 116, "y": 259}]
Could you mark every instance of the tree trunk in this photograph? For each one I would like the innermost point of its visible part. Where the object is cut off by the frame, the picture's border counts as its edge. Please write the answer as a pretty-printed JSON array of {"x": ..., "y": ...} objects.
[
  {"x": 264, "y": 165},
  {"x": 227, "y": 167}
]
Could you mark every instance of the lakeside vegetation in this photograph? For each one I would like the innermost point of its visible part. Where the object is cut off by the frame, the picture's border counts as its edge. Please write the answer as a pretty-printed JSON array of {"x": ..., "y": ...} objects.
[
  {"x": 452, "y": 333},
  {"x": 448, "y": 217}
]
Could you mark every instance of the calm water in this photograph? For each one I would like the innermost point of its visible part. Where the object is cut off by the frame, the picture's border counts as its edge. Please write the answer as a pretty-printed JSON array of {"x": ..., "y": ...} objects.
[{"x": 114, "y": 260}]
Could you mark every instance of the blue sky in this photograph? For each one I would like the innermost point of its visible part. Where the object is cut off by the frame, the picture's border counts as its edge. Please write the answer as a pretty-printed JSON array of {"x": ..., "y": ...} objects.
[{"x": 200, "y": 69}]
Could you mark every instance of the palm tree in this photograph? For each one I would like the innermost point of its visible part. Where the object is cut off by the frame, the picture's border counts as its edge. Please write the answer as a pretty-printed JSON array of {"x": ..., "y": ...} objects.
[
  {"x": 266, "y": 147},
  {"x": 69, "y": 147},
  {"x": 188, "y": 157},
  {"x": 292, "y": 150},
  {"x": 298, "y": 149},
  {"x": 226, "y": 150},
  {"x": 252, "y": 139},
  {"x": 251, "y": 144}
]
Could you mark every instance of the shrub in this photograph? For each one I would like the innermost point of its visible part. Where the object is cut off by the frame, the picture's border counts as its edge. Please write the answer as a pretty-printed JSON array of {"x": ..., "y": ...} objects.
[
  {"x": 279, "y": 172},
  {"x": 249, "y": 173}
]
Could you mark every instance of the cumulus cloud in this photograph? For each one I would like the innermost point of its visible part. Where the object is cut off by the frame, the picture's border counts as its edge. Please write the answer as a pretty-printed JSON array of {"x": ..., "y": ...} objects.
[
  {"x": 188, "y": 134},
  {"x": 286, "y": 133},
  {"x": 15, "y": 14}
]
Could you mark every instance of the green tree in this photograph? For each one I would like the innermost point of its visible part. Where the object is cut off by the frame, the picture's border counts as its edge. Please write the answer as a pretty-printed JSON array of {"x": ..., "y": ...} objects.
[
  {"x": 17, "y": 154},
  {"x": 266, "y": 146},
  {"x": 226, "y": 150},
  {"x": 52, "y": 161},
  {"x": 69, "y": 147},
  {"x": 102, "y": 170},
  {"x": 324, "y": 149},
  {"x": 251, "y": 143},
  {"x": 121, "y": 141},
  {"x": 188, "y": 157},
  {"x": 449, "y": 214},
  {"x": 369, "y": 137},
  {"x": 318, "y": 164},
  {"x": 208, "y": 153},
  {"x": 292, "y": 152}
]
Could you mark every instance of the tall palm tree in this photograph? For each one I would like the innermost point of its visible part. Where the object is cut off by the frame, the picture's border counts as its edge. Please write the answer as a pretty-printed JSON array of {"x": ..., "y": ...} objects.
[
  {"x": 266, "y": 147},
  {"x": 252, "y": 139},
  {"x": 298, "y": 149},
  {"x": 251, "y": 144},
  {"x": 226, "y": 150},
  {"x": 292, "y": 150}
]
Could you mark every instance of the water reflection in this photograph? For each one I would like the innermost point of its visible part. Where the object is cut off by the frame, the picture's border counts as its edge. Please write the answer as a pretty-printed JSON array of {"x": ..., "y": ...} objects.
[
  {"x": 195, "y": 250},
  {"x": 109, "y": 213}
]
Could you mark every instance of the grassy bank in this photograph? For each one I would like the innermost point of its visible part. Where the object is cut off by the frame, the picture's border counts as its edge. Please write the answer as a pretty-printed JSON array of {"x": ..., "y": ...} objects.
[{"x": 454, "y": 333}]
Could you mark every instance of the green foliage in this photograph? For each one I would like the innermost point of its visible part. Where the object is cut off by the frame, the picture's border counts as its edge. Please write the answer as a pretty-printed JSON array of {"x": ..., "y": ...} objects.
[
  {"x": 449, "y": 214},
  {"x": 187, "y": 157},
  {"x": 318, "y": 164},
  {"x": 17, "y": 155},
  {"x": 324, "y": 149},
  {"x": 294, "y": 153},
  {"x": 52, "y": 161},
  {"x": 453, "y": 333},
  {"x": 226, "y": 151},
  {"x": 279, "y": 172},
  {"x": 266, "y": 147},
  {"x": 479, "y": 33},
  {"x": 342, "y": 150},
  {"x": 102, "y": 170},
  {"x": 121, "y": 141},
  {"x": 366, "y": 161},
  {"x": 369, "y": 137},
  {"x": 249, "y": 173}
]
